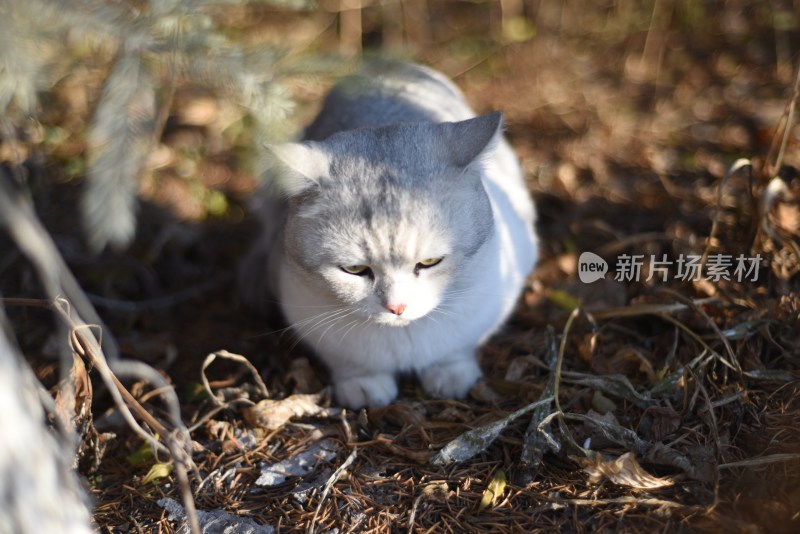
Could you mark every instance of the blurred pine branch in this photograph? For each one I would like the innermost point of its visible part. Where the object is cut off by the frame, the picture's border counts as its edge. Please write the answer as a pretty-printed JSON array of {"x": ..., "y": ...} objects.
[{"x": 152, "y": 45}]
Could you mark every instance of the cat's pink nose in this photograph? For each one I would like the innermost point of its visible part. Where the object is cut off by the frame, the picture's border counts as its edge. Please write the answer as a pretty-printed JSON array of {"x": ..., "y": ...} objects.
[{"x": 396, "y": 309}]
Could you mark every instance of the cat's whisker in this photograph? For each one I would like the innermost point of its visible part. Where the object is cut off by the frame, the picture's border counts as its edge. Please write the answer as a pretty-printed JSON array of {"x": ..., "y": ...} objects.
[
  {"x": 324, "y": 323},
  {"x": 332, "y": 324},
  {"x": 431, "y": 316},
  {"x": 350, "y": 326},
  {"x": 304, "y": 328},
  {"x": 283, "y": 331},
  {"x": 292, "y": 328},
  {"x": 442, "y": 312},
  {"x": 331, "y": 319},
  {"x": 343, "y": 328},
  {"x": 313, "y": 306},
  {"x": 316, "y": 320},
  {"x": 471, "y": 294},
  {"x": 278, "y": 303}
]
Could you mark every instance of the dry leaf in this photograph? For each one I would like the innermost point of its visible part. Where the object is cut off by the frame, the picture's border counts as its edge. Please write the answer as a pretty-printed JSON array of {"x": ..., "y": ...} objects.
[
  {"x": 587, "y": 345},
  {"x": 475, "y": 441},
  {"x": 157, "y": 472},
  {"x": 494, "y": 491},
  {"x": 624, "y": 471},
  {"x": 74, "y": 398},
  {"x": 538, "y": 438},
  {"x": 302, "y": 375},
  {"x": 300, "y": 464},
  {"x": 627, "y": 361},
  {"x": 657, "y": 422},
  {"x": 483, "y": 392},
  {"x": 698, "y": 464},
  {"x": 273, "y": 414},
  {"x": 436, "y": 490},
  {"x": 212, "y": 521},
  {"x": 144, "y": 454},
  {"x": 399, "y": 414},
  {"x": 521, "y": 366}
]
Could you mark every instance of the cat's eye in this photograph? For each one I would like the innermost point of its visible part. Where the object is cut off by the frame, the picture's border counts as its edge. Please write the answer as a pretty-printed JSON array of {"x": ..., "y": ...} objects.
[
  {"x": 425, "y": 264},
  {"x": 358, "y": 270}
]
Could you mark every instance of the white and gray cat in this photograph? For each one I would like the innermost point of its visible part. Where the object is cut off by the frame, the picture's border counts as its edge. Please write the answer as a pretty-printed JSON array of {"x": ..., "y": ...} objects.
[{"x": 400, "y": 236}]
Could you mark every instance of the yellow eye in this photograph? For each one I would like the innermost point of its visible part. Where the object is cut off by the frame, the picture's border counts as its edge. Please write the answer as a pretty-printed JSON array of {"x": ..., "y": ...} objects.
[
  {"x": 430, "y": 262},
  {"x": 356, "y": 269}
]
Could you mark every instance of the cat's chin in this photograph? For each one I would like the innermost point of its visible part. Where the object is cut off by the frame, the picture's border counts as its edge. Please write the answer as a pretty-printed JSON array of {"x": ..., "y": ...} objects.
[{"x": 389, "y": 319}]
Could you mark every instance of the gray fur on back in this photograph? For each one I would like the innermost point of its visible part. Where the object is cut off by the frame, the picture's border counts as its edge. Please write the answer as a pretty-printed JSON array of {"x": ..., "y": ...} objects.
[{"x": 388, "y": 92}]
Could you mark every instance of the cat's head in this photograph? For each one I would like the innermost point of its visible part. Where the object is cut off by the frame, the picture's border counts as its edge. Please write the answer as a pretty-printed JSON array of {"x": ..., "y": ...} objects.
[{"x": 383, "y": 219}]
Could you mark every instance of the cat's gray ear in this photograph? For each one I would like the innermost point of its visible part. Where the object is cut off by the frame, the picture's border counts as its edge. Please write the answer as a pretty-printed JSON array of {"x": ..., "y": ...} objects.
[
  {"x": 467, "y": 140},
  {"x": 296, "y": 167}
]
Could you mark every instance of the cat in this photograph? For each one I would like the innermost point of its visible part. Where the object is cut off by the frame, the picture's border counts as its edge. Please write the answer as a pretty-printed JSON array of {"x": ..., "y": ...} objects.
[{"x": 397, "y": 235}]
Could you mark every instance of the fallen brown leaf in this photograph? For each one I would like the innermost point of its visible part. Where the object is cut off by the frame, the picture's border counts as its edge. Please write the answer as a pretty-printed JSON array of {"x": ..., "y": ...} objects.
[
  {"x": 624, "y": 471},
  {"x": 272, "y": 414}
]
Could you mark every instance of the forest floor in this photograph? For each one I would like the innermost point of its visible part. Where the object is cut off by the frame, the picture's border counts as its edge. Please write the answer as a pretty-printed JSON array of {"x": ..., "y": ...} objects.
[{"x": 677, "y": 397}]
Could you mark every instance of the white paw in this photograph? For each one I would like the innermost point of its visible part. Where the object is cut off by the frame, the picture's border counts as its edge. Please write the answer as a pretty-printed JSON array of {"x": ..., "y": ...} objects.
[
  {"x": 450, "y": 380},
  {"x": 371, "y": 391}
]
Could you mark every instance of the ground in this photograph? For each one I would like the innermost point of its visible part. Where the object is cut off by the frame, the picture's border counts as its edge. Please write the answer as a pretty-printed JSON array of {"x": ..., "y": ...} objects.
[{"x": 627, "y": 120}]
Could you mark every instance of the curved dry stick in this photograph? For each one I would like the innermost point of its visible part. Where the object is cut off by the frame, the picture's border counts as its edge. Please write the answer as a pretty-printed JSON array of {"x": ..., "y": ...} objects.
[
  {"x": 561, "y": 349},
  {"x": 236, "y": 358},
  {"x": 562, "y": 425},
  {"x": 87, "y": 347}
]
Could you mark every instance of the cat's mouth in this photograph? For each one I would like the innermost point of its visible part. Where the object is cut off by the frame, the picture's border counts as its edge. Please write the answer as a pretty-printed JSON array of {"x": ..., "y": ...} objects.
[{"x": 393, "y": 319}]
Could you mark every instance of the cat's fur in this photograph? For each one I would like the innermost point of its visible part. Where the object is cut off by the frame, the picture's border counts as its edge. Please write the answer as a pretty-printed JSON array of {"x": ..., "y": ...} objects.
[{"x": 396, "y": 170}]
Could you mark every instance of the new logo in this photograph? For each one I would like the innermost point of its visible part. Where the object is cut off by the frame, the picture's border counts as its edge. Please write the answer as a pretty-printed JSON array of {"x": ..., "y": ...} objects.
[{"x": 591, "y": 267}]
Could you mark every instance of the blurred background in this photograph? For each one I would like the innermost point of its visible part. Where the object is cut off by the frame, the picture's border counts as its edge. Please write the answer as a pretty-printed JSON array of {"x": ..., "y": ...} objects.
[{"x": 171, "y": 100}]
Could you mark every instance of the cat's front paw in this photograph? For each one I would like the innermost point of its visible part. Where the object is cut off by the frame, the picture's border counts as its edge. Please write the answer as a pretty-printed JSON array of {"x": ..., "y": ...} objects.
[
  {"x": 450, "y": 380},
  {"x": 371, "y": 391}
]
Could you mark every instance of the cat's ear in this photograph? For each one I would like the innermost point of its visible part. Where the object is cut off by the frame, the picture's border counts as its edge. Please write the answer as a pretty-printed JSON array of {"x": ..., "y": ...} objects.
[
  {"x": 296, "y": 167},
  {"x": 467, "y": 141}
]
